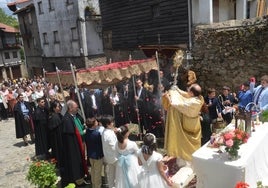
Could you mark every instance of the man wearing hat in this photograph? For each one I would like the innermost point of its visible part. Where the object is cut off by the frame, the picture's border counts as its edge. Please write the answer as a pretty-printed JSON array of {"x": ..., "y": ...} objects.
[
  {"x": 227, "y": 100},
  {"x": 244, "y": 95}
]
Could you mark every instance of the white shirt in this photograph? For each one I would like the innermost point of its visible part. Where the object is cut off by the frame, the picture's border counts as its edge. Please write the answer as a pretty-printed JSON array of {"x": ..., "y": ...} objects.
[
  {"x": 109, "y": 140},
  {"x": 94, "y": 105}
]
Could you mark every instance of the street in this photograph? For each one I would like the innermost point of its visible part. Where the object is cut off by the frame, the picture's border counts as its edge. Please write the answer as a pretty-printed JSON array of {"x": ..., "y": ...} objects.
[{"x": 14, "y": 157}]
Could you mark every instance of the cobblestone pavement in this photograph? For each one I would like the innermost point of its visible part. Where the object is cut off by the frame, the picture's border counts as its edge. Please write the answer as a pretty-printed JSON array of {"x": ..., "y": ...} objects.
[{"x": 13, "y": 157}]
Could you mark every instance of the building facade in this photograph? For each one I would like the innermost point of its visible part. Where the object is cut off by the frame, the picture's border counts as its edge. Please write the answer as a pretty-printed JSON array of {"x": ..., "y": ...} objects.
[
  {"x": 11, "y": 64},
  {"x": 213, "y": 11},
  {"x": 151, "y": 25},
  {"x": 60, "y": 32}
]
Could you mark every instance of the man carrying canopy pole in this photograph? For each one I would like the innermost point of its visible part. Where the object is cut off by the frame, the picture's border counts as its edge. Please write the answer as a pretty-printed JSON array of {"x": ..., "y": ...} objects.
[
  {"x": 61, "y": 88},
  {"x": 78, "y": 95},
  {"x": 136, "y": 103},
  {"x": 57, "y": 71}
]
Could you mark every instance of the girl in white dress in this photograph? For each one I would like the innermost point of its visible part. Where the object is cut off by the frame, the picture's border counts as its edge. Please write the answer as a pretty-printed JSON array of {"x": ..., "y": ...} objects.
[
  {"x": 153, "y": 172},
  {"x": 127, "y": 168}
]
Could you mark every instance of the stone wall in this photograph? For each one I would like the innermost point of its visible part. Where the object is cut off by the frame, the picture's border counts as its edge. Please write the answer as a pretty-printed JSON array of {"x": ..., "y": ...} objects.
[{"x": 230, "y": 53}]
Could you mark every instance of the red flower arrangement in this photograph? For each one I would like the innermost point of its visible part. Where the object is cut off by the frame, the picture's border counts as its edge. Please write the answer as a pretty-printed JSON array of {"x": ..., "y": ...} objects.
[
  {"x": 241, "y": 185},
  {"x": 233, "y": 140}
]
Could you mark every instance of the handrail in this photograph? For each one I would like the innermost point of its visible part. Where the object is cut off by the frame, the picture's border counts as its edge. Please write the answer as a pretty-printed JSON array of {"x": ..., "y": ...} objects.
[{"x": 254, "y": 105}]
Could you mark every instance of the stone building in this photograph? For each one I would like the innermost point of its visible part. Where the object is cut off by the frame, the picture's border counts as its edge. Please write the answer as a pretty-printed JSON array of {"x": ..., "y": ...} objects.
[
  {"x": 59, "y": 32},
  {"x": 11, "y": 64}
]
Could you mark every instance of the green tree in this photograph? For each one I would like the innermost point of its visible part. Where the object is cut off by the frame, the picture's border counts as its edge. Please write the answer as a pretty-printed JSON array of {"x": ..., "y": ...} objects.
[{"x": 8, "y": 20}]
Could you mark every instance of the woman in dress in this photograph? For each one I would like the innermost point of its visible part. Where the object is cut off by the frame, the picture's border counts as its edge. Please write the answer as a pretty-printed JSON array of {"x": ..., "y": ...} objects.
[
  {"x": 153, "y": 172},
  {"x": 11, "y": 101},
  {"x": 127, "y": 167}
]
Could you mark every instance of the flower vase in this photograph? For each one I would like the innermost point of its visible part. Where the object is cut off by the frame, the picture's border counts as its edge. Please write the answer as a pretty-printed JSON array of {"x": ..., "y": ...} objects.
[{"x": 233, "y": 157}]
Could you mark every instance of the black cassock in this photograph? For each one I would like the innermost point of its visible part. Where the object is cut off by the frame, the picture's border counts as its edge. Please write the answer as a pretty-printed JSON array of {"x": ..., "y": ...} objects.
[
  {"x": 55, "y": 137},
  {"x": 41, "y": 131},
  {"x": 73, "y": 157}
]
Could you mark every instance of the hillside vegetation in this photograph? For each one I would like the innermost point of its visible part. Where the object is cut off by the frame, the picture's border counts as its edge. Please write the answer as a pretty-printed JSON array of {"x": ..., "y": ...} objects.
[{"x": 8, "y": 20}]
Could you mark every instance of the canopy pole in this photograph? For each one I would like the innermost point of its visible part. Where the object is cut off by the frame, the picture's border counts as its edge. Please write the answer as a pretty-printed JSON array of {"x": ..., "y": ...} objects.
[
  {"x": 78, "y": 94},
  {"x": 159, "y": 82},
  {"x": 136, "y": 103},
  {"x": 59, "y": 80},
  {"x": 46, "y": 91}
]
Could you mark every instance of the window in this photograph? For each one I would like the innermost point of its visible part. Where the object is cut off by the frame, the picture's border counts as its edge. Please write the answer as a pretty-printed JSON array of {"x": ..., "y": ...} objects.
[
  {"x": 69, "y": 2},
  {"x": 107, "y": 39},
  {"x": 15, "y": 54},
  {"x": 51, "y": 5},
  {"x": 7, "y": 55},
  {"x": 155, "y": 10},
  {"x": 40, "y": 7},
  {"x": 45, "y": 39},
  {"x": 56, "y": 36},
  {"x": 87, "y": 13},
  {"x": 74, "y": 33},
  {"x": 34, "y": 42}
]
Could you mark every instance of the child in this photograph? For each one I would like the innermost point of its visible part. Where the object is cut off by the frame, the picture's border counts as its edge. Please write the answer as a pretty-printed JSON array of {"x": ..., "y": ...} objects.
[
  {"x": 94, "y": 151},
  {"x": 108, "y": 143},
  {"x": 127, "y": 168},
  {"x": 153, "y": 172}
]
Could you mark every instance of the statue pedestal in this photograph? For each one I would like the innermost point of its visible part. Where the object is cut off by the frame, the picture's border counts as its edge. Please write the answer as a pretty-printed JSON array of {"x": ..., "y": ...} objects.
[{"x": 243, "y": 121}]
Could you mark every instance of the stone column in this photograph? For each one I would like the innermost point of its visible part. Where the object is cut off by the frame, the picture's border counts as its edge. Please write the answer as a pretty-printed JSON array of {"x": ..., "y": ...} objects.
[
  {"x": 206, "y": 11},
  {"x": 241, "y": 9},
  {"x": 10, "y": 72}
]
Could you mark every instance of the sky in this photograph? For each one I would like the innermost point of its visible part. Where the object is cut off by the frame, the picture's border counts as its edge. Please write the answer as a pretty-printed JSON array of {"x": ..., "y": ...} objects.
[{"x": 3, "y": 5}]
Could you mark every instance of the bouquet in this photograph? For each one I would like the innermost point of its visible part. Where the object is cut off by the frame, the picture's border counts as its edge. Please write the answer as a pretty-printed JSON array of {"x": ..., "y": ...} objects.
[
  {"x": 231, "y": 139},
  {"x": 43, "y": 174}
]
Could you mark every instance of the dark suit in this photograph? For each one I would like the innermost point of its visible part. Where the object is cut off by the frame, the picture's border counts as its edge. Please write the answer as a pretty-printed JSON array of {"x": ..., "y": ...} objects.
[
  {"x": 23, "y": 125},
  {"x": 142, "y": 107}
]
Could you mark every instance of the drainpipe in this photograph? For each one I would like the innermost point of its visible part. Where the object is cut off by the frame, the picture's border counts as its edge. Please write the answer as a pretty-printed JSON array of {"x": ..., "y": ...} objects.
[
  {"x": 189, "y": 50},
  {"x": 190, "y": 25}
]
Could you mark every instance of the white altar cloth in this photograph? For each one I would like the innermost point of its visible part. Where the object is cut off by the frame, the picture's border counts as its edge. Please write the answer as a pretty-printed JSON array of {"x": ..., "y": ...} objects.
[{"x": 215, "y": 170}]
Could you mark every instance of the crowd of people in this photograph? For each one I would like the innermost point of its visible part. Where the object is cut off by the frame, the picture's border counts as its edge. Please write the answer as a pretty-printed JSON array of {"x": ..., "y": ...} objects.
[{"x": 99, "y": 137}]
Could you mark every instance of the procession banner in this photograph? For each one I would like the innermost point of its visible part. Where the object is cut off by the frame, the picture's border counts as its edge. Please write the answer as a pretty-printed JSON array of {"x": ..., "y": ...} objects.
[
  {"x": 65, "y": 77},
  {"x": 105, "y": 75}
]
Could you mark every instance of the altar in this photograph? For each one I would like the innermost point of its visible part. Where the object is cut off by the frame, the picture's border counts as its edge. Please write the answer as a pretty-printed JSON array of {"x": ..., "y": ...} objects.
[{"x": 214, "y": 169}]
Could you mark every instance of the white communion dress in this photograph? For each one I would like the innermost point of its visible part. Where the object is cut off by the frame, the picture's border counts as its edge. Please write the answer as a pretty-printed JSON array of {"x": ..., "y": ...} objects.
[
  {"x": 150, "y": 176},
  {"x": 127, "y": 168}
]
